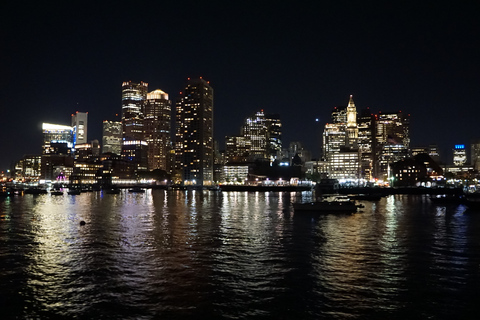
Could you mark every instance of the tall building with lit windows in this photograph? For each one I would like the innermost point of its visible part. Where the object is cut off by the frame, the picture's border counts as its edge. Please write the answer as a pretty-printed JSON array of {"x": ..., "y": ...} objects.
[
  {"x": 255, "y": 130},
  {"x": 57, "y": 139},
  {"x": 264, "y": 133},
  {"x": 194, "y": 147},
  {"x": 392, "y": 141},
  {"x": 79, "y": 125},
  {"x": 459, "y": 155},
  {"x": 156, "y": 128},
  {"x": 134, "y": 146}
]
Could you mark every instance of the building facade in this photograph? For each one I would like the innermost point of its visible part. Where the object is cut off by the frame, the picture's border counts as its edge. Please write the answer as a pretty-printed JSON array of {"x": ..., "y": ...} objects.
[
  {"x": 80, "y": 126},
  {"x": 194, "y": 147},
  {"x": 392, "y": 141},
  {"x": 157, "y": 129},
  {"x": 134, "y": 146}
]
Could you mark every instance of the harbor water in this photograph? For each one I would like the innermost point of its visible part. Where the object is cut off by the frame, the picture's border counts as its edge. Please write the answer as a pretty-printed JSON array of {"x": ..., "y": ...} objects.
[{"x": 235, "y": 255}]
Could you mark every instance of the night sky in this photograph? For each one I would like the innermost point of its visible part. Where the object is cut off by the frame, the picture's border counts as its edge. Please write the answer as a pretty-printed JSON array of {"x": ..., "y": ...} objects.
[{"x": 296, "y": 59}]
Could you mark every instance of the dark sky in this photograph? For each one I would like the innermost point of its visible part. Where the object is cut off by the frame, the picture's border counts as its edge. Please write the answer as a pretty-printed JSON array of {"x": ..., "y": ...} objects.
[{"x": 298, "y": 59}]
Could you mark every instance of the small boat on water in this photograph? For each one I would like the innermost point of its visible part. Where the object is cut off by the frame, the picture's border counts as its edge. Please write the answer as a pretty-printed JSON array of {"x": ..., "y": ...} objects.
[
  {"x": 111, "y": 190},
  {"x": 367, "y": 197},
  {"x": 137, "y": 190},
  {"x": 448, "y": 199},
  {"x": 35, "y": 190},
  {"x": 331, "y": 204},
  {"x": 74, "y": 191},
  {"x": 56, "y": 192}
]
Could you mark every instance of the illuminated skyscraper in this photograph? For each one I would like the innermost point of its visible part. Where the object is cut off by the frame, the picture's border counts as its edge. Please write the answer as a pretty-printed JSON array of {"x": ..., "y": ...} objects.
[
  {"x": 134, "y": 146},
  {"x": 459, "y": 155},
  {"x": 112, "y": 137},
  {"x": 194, "y": 133},
  {"x": 392, "y": 141},
  {"x": 365, "y": 142},
  {"x": 79, "y": 125},
  {"x": 157, "y": 127},
  {"x": 255, "y": 130},
  {"x": 274, "y": 135},
  {"x": 264, "y": 131},
  {"x": 57, "y": 139}
]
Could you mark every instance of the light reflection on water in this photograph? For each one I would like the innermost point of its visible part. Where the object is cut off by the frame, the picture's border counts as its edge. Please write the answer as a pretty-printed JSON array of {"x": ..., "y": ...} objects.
[{"x": 180, "y": 254}]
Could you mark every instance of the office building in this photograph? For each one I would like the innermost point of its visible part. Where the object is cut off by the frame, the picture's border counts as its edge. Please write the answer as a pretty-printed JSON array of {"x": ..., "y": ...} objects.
[
  {"x": 392, "y": 141},
  {"x": 79, "y": 125},
  {"x": 365, "y": 142},
  {"x": 157, "y": 128},
  {"x": 57, "y": 139},
  {"x": 194, "y": 133},
  {"x": 459, "y": 155},
  {"x": 134, "y": 147},
  {"x": 255, "y": 130}
]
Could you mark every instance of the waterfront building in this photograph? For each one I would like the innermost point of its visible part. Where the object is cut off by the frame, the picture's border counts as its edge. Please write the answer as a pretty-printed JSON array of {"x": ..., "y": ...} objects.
[
  {"x": 28, "y": 168},
  {"x": 57, "y": 139},
  {"x": 157, "y": 129},
  {"x": 235, "y": 173},
  {"x": 419, "y": 170},
  {"x": 79, "y": 125},
  {"x": 56, "y": 167},
  {"x": 112, "y": 137},
  {"x": 459, "y": 155},
  {"x": 344, "y": 165},
  {"x": 194, "y": 133},
  {"x": 134, "y": 146}
]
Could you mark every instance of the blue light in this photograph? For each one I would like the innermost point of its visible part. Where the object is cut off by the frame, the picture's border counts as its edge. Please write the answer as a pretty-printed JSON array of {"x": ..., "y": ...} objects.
[{"x": 459, "y": 146}]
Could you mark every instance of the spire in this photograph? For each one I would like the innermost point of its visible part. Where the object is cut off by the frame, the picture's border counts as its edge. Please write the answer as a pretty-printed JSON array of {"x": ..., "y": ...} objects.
[{"x": 350, "y": 102}]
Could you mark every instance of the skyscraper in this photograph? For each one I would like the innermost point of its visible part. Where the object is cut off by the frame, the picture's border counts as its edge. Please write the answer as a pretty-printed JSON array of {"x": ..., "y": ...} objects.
[
  {"x": 255, "y": 130},
  {"x": 134, "y": 147},
  {"x": 392, "y": 140},
  {"x": 79, "y": 125},
  {"x": 57, "y": 139},
  {"x": 459, "y": 155},
  {"x": 194, "y": 133},
  {"x": 157, "y": 127}
]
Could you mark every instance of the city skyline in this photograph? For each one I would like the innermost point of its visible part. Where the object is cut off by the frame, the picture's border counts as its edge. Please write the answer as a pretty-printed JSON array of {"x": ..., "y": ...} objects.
[{"x": 298, "y": 62}]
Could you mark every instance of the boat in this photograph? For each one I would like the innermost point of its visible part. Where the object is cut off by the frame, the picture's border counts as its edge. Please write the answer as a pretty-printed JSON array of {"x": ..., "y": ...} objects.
[
  {"x": 111, "y": 190},
  {"x": 367, "y": 197},
  {"x": 136, "y": 189},
  {"x": 74, "y": 191},
  {"x": 331, "y": 204},
  {"x": 35, "y": 190},
  {"x": 448, "y": 199},
  {"x": 56, "y": 192}
]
